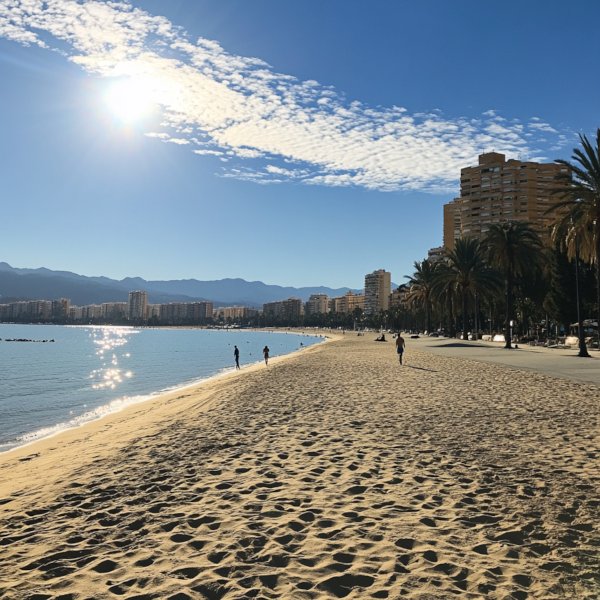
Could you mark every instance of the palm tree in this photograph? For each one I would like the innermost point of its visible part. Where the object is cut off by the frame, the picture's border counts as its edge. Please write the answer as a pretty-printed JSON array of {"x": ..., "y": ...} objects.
[
  {"x": 421, "y": 284},
  {"x": 578, "y": 227},
  {"x": 465, "y": 271},
  {"x": 514, "y": 248}
]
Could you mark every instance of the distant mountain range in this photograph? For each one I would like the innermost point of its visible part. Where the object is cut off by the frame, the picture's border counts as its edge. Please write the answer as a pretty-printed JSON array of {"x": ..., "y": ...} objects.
[{"x": 45, "y": 284}]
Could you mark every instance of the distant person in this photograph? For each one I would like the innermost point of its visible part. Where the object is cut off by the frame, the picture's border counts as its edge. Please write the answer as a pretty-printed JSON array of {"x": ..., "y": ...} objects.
[
  {"x": 400, "y": 347},
  {"x": 236, "y": 354},
  {"x": 266, "y": 354}
]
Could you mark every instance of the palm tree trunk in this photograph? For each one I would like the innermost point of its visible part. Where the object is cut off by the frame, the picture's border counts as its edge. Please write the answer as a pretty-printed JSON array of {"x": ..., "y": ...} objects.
[
  {"x": 598, "y": 280},
  {"x": 582, "y": 347},
  {"x": 464, "y": 315},
  {"x": 509, "y": 310}
]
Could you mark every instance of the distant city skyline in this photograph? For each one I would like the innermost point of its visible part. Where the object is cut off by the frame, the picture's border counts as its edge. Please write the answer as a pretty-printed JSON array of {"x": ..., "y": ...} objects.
[{"x": 288, "y": 143}]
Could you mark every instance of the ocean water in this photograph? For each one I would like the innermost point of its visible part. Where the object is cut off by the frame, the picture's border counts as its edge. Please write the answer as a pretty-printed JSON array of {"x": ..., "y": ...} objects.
[{"x": 90, "y": 371}]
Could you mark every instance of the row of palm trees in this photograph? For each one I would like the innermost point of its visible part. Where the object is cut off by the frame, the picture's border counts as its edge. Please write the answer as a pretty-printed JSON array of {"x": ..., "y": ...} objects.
[{"x": 511, "y": 264}]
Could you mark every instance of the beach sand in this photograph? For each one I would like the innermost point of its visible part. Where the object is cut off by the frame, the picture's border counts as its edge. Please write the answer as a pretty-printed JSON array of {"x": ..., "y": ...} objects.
[{"x": 331, "y": 473}]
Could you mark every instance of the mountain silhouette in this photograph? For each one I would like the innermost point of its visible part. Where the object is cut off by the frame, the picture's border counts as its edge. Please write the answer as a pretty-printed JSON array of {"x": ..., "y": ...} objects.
[{"x": 46, "y": 284}]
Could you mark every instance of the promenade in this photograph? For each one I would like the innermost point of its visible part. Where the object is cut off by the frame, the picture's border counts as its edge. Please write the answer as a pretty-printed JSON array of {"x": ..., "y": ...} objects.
[{"x": 558, "y": 362}]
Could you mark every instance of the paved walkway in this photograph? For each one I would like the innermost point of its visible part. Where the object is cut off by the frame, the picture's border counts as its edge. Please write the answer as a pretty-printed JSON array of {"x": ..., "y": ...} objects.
[{"x": 551, "y": 361}]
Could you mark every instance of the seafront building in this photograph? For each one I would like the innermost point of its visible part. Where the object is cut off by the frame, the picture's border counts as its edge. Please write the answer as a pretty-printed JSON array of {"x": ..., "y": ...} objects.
[
  {"x": 114, "y": 310},
  {"x": 290, "y": 310},
  {"x": 436, "y": 255},
  {"x": 178, "y": 313},
  {"x": 138, "y": 305},
  {"x": 347, "y": 303},
  {"x": 234, "y": 313},
  {"x": 378, "y": 286},
  {"x": 48, "y": 310},
  {"x": 498, "y": 190},
  {"x": 317, "y": 304}
]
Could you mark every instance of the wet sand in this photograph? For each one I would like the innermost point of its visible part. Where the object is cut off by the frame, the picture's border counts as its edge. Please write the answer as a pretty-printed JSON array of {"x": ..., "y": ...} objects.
[{"x": 333, "y": 473}]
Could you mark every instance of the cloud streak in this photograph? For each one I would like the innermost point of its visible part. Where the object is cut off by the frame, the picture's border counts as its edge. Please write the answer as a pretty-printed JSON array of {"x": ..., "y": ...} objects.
[{"x": 264, "y": 126}]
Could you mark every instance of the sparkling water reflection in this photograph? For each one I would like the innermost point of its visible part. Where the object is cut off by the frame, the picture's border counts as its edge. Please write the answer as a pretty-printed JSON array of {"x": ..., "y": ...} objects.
[{"x": 91, "y": 371}]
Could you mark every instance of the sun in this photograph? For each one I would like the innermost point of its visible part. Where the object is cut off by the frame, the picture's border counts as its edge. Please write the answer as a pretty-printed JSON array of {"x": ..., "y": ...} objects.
[{"x": 130, "y": 100}]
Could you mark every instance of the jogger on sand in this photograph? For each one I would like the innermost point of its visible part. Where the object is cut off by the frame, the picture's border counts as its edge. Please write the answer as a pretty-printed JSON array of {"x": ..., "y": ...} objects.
[{"x": 400, "y": 347}]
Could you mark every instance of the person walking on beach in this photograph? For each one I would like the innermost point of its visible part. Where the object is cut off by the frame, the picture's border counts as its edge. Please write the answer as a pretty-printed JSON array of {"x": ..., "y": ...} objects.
[
  {"x": 400, "y": 347},
  {"x": 266, "y": 354},
  {"x": 236, "y": 354}
]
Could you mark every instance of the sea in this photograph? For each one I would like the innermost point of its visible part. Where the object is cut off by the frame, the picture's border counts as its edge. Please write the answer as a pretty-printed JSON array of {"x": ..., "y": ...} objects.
[{"x": 58, "y": 377}]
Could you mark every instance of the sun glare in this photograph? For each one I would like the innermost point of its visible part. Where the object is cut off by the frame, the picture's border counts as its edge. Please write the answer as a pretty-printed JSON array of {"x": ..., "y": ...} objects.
[{"x": 130, "y": 99}]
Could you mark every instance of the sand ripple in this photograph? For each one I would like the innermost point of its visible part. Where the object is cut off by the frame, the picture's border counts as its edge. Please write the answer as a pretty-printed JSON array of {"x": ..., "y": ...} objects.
[{"x": 336, "y": 474}]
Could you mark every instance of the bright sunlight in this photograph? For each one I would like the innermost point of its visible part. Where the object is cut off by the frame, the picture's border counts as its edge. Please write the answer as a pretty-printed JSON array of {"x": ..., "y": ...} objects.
[{"x": 131, "y": 99}]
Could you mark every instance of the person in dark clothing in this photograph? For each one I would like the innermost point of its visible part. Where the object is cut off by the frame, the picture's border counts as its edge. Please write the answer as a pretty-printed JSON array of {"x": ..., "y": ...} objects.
[
  {"x": 400, "y": 344},
  {"x": 236, "y": 354}
]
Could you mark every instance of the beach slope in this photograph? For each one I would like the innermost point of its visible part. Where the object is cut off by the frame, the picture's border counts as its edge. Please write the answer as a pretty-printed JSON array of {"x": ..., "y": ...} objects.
[{"x": 334, "y": 473}]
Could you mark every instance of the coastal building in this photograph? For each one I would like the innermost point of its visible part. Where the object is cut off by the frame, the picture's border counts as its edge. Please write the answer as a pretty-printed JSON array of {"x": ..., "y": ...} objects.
[
  {"x": 288, "y": 311},
  {"x": 39, "y": 309},
  {"x": 234, "y": 313},
  {"x": 378, "y": 286},
  {"x": 179, "y": 313},
  {"x": 153, "y": 311},
  {"x": 60, "y": 308},
  {"x": 498, "y": 190},
  {"x": 75, "y": 313},
  {"x": 114, "y": 310},
  {"x": 317, "y": 304},
  {"x": 138, "y": 305},
  {"x": 347, "y": 303},
  {"x": 35, "y": 310},
  {"x": 436, "y": 255},
  {"x": 92, "y": 312}
]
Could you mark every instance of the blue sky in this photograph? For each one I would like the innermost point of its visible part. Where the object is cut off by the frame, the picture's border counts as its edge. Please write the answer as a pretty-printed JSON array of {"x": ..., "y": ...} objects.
[{"x": 296, "y": 143}]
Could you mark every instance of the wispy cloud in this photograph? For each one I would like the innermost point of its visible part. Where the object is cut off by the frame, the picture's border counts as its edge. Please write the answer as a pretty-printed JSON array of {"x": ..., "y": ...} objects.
[{"x": 265, "y": 126}]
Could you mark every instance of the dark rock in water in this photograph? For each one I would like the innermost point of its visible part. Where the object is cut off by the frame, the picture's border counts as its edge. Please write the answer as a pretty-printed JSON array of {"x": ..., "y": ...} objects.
[{"x": 26, "y": 340}]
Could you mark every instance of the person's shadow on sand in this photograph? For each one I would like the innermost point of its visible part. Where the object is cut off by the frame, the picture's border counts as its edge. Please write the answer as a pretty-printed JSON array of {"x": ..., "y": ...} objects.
[{"x": 420, "y": 368}]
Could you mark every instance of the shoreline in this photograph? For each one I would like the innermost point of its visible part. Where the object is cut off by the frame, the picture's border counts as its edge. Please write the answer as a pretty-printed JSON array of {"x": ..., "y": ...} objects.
[
  {"x": 333, "y": 472},
  {"x": 112, "y": 407},
  {"x": 148, "y": 412}
]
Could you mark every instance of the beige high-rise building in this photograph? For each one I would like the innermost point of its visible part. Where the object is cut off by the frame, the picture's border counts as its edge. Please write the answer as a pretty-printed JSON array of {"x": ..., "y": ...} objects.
[
  {"x": 347, "y": 303},
  {"x": 498, "y": 190},
  {"x": 317, "y": 304},
  {"x": 291, "y": 309},
  {"x": 138, "y": 304},
  {"x": 378, "y": 286}
]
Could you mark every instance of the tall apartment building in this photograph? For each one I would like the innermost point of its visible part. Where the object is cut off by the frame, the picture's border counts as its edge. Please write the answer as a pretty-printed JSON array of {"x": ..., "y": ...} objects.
[
  {"x": 290, "y": 310},
  {"x": 347, "y": 303},
  {"x": 114, "y": 310},
  {"x": 498, "y": 190},
  {"x": 378, "y": 286},
  {"x": 60, "y": 308},
  {"x": 138, "y": 305},
  {"x": 317, "y": 304},
  {"x": 177, "y": 313}
]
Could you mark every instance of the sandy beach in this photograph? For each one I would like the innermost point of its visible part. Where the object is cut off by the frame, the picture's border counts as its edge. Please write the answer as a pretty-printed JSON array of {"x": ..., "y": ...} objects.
[{"x": 332, "y": 473}]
